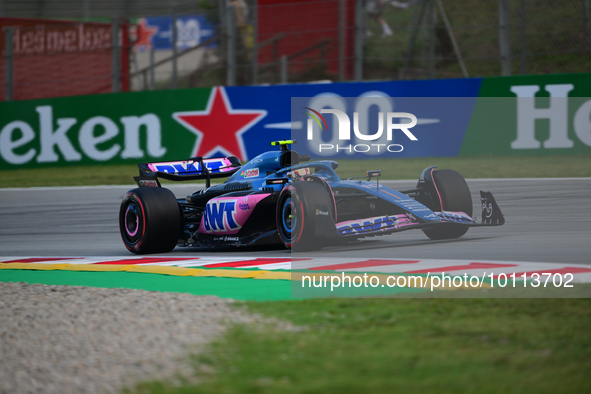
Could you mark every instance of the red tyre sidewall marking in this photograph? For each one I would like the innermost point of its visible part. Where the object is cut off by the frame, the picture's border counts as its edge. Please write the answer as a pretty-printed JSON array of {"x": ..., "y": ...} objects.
[
  {"x": 301, "y": 210},
  {"x": 287, "y": 244},
  {"x": 302, "y": 227},
  {"x": 121, "y": 231},
  {"x": 332, "y": 196},
  {"x": 140, "y": 241},
  {"x": 437, "y": 190}
]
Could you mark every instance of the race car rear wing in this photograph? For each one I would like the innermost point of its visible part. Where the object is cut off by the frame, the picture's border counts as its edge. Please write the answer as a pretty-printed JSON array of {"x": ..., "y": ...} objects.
[{"x": 196, "y": 168}]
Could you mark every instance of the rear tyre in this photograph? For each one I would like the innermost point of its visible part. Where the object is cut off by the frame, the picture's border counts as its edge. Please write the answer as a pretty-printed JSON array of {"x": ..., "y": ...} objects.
[
  {"x": 150, "y": 220},
  {"x": 297, "y": 207},
  {"x": 455, "y": 196}
]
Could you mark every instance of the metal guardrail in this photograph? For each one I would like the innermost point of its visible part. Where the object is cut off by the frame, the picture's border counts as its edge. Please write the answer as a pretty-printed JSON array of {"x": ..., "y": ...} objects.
[
  {"x": 284, "y": 60},
  {"x": 150, "y": 69}
]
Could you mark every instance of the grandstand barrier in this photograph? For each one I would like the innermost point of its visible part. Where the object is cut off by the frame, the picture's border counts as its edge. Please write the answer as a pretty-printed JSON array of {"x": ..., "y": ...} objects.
[{"x": 54, "y": 58}]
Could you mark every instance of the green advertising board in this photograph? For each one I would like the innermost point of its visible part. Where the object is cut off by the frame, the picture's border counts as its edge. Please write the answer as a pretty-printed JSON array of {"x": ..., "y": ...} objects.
[
  {"x": 525, "y": 115},
  {"x": 113, "y": 128}
]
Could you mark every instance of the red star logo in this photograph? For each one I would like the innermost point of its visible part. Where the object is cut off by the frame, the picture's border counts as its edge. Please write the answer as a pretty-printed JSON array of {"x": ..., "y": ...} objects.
[
  {"x": 144, "y": 34},
  {"x": 219, "y": 127}
]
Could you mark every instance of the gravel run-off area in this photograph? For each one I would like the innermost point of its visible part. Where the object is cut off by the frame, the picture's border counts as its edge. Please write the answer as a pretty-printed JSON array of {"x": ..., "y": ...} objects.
[{"x": 74, "y": 339}]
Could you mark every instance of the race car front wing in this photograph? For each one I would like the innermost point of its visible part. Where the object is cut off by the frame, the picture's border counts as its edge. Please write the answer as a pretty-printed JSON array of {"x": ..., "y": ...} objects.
[{"x": 382, "y": 225}]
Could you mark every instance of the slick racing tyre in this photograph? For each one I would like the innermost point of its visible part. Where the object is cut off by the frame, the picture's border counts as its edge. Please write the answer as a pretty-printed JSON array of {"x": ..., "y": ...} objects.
[
  {"x": 455, "y": 197},
  {"x": 298, "y": 207},
  {"x": 150, "y": 220}
]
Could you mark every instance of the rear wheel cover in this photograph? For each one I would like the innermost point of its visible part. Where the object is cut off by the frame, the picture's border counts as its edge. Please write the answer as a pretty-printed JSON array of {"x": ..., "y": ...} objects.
[
  {"x": 290, "y": 216},
  {"x": 133, "y": 221}
]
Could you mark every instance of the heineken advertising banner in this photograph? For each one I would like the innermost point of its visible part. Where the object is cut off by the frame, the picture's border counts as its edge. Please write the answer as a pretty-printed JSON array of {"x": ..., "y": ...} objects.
[
  {"x": 540, "y": 115},
  {"x": 505, "y": 115}
]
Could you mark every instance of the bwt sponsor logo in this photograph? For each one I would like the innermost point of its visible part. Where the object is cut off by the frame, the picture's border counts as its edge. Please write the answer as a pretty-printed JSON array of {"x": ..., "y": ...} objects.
[
  {"x": 179, "y": 168},
  {"x": 556, "y": 113},
  {"x": 219, "y": 216},
  {"x": 344, "y": 131},
  {"x": 188, "y": 167},
  {"x": 20, "y": 143},
  {"x": 227, "y": 215}
]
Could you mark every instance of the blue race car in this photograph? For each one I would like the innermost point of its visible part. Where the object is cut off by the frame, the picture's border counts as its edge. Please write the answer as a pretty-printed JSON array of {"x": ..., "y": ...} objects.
[{"x": 280, "y": 197}]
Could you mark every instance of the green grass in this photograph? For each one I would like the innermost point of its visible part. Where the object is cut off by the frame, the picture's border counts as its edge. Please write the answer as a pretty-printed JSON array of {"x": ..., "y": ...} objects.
[
  {"x": 403, "y": 345},
  {"x": 469, "y": 167}
]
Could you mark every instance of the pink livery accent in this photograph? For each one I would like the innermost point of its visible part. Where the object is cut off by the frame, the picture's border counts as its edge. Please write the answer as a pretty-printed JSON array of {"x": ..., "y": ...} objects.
[
  {"x": 227, "y": 215},
  {"x": 219, "y": 164}
]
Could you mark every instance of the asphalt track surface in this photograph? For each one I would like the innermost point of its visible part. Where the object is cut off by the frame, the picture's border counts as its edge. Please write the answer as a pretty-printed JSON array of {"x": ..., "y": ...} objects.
[{"x": 547, "y": 220}]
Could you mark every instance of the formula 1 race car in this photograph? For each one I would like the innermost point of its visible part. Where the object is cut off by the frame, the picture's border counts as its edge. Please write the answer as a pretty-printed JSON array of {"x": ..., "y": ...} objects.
[{"x": 280, "y": 197}]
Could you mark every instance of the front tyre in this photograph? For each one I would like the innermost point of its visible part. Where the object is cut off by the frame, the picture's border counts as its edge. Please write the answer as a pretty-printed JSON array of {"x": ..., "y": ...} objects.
[
  {"x": 149, "y": 220},
  {"x": 297, "y": 207},
  {"x": 453, "y": 195}
]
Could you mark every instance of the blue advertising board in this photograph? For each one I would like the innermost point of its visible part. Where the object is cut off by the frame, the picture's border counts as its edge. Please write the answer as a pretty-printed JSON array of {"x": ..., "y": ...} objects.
[
  {"x": 192, "y": 30},
  {"x": 440, "y": 129}
]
